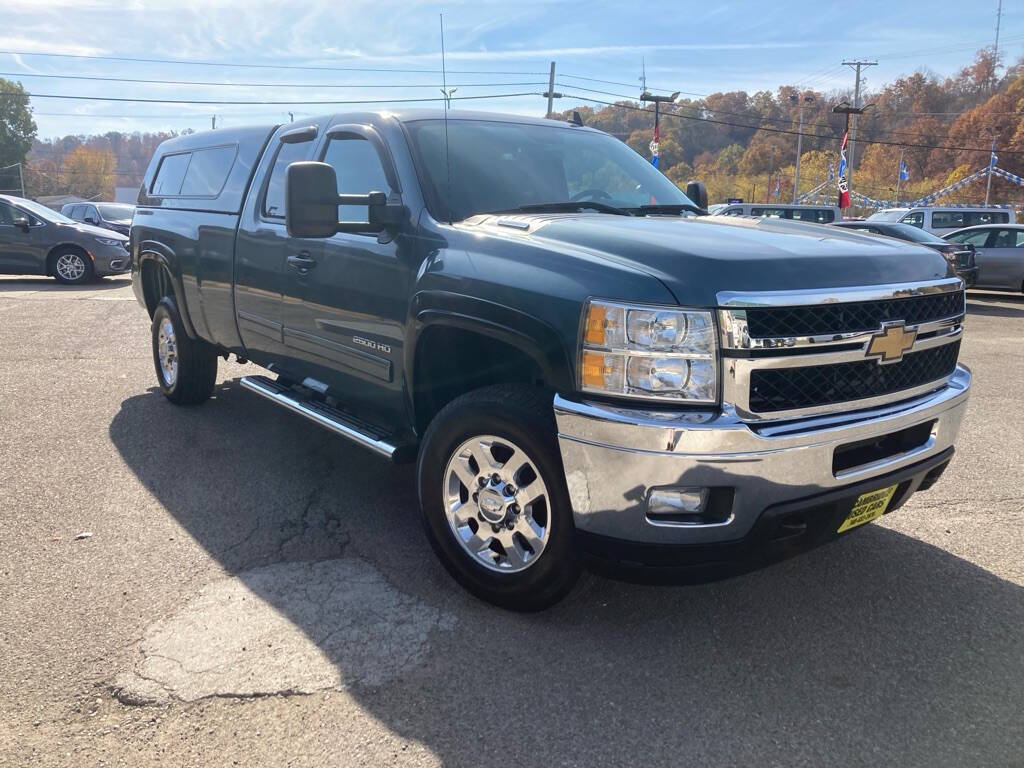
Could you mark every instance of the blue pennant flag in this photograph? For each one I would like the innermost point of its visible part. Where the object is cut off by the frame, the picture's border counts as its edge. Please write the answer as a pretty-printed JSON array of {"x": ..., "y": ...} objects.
[{"x": 904, "y": 173}]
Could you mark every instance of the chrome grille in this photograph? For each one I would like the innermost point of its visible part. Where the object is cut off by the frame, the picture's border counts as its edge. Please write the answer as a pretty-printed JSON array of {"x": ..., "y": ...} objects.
[
  {"x": 823, "y": 319},
  {"x": 783, "y": 389},
  {"x": 790, "y": 355}
]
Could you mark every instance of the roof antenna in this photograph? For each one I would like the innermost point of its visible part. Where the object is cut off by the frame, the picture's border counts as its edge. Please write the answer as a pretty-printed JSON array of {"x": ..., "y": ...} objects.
[{"x": 447, "y": 96}]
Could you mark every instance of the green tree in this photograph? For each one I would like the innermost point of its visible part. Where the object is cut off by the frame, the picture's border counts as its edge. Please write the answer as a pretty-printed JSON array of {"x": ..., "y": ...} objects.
[{"x": 17, "y": 130}]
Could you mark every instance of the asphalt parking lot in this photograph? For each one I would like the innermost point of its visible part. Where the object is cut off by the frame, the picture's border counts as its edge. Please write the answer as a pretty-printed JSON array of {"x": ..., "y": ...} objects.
[{"x": 257, "y": 591}]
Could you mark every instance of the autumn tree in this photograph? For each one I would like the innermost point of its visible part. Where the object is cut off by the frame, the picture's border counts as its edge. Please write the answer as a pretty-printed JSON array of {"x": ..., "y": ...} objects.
[
  {"x": 89, "y": 173},
  {"x": 17, "y": 130}
]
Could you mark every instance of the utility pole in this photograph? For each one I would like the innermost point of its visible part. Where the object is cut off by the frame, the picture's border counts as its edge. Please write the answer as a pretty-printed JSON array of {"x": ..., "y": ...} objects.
[
  {"x": 551, "y": 88},
  {"x": 799, "y": 144},
  {"x": 213, "y": 122},
  {"x": 21, "y": 178},
  {"x": 991, "y": 162},
  {"x": 995, "y": 49},
  {"x": 856, "y": 66}
]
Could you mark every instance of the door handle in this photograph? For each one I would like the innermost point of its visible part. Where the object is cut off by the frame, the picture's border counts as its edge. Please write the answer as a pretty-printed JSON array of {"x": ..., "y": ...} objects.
[{"x": 303, "y": 262}]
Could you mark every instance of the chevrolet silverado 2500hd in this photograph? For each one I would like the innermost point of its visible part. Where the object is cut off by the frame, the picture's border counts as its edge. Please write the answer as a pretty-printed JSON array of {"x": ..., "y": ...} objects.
[{"x": 586, "y": 368}]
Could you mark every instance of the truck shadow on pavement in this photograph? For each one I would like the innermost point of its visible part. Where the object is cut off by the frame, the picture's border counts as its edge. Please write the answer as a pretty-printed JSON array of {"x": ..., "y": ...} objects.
[
  {"x": 995, "y": 304},
  {"x": 876, "y": 649}
]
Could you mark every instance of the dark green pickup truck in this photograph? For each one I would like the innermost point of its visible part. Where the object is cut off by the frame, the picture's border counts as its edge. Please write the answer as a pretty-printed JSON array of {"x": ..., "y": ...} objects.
[{"x": 587, "y": 368}]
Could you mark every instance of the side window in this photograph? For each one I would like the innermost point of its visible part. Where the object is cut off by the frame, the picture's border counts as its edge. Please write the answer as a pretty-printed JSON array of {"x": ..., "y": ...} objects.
[
  {"x": 359, "y": 171},
  {"x": 90, "y": 213},
  {"x": 6, "y": 215},
  {"x": 917, "y": 219},
  {"x": 170, "y": 175},
  {"x": 77, "y": 213},
  {"x": 208, "y": 171},
  {"x": 733, "y": 212},
  {"x": 273, "y": 200},
  {"x": 1005, "y": 238},
  {"x": 977, "y": 239},
  {"x": 771, "y": 213},
  {"x": 952, "y": 220}
]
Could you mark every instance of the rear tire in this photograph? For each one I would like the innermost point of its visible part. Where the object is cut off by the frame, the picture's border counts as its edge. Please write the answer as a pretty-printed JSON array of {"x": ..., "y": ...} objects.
[
  {"x": 72, "y": 267},
  {"x": 510, "y": 541},
  {"x": 186, "y": 369}
]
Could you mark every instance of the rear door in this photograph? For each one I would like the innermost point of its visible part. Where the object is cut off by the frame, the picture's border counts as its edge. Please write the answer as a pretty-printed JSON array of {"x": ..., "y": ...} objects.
[
  {"x": 1004, "y": 259},
  {"x": 979, "y": 238},
  {"x": 345, "y": 312},
  {"x": 262, "y": 249}
]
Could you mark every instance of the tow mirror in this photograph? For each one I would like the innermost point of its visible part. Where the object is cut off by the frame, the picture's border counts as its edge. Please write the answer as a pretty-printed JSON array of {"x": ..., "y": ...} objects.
[
  {"x": 312, "y": 200},
  {"x": 21, "y": 222},
  {"x": 697, "y": 192}
]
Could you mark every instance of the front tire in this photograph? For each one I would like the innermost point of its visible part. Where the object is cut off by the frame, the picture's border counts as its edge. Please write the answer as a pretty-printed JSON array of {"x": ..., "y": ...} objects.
[
  {"x": 186, "y": 369},
  {"x": 72, "y": 267},
  {"x": 494, "y": 501}
]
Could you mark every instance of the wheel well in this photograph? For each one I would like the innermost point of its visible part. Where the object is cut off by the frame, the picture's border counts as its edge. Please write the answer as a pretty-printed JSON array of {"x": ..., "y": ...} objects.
[
  {"x": 57, "y": 250},
  {"x": 156, "y": 283},
  {"x": 452, "y": 361}
]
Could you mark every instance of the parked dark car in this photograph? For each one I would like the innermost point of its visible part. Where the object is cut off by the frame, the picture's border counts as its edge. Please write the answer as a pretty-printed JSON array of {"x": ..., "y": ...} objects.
[
  {"x": 960, "y": 256},
  {"x": 36, "y": 240},
  {"x": 585, "y": 366},
  {"x": 1000, "y": 254},
  {"x": 113, "y": 216}
]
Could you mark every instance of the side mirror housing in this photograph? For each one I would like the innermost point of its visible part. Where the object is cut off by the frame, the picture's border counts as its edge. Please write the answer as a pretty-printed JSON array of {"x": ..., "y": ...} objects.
[
  {"x": 312, "y": 200},
  {"x": 91, "y": 220},
  {"x": 696, "y": 191},
  {"x": 21, "y": 222}
]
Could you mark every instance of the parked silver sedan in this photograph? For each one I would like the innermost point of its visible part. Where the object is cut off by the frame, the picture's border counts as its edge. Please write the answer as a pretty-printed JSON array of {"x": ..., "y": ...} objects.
[{"x": 999, "y": 252}]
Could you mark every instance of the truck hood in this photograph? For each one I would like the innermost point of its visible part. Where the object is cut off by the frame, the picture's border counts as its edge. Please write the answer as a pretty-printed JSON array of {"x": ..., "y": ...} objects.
[{"x": 696, "y": 257}]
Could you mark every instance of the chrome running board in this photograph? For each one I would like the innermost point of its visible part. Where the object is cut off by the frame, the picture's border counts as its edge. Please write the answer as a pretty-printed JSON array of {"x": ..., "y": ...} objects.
[{"x": 326, "y": 416}]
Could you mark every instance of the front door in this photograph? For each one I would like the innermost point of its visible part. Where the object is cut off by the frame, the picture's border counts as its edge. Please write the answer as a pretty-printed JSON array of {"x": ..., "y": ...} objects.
[
  {"x": 1004, "y": 260},
  {"x": 19, "y": 247},
  {"x": 345, "y": 313},
  {"x": 979, "y": 238}
]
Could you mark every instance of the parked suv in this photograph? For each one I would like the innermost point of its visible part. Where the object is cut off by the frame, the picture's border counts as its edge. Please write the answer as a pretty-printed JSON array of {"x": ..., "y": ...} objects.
[
  {"x": 113, "y": 216},
  {"x": 585, "y": 366},
  {"x": 36, "y": 240}
]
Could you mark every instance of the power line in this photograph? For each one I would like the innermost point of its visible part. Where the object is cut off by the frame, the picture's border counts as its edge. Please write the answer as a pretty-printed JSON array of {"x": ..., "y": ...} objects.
[
  {"x": 790, "y": 133},
  {"x": 246, "y": 65},
  {"x": 267, "y": 103},
  {"x": 261, "y": 85}
]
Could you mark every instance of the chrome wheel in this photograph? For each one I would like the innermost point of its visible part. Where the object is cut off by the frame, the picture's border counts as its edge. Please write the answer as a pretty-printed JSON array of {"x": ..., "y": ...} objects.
[
  {"x": 70, "y": 266},
  {"x": 497, "y": 504},
  {"x": 167, "y": 352}
]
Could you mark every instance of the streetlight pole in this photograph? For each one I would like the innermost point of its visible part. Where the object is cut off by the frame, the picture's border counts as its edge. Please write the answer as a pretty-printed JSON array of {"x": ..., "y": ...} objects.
[
  {"x": 658, "y": 101},
  {"x": 799, "y": 143}
]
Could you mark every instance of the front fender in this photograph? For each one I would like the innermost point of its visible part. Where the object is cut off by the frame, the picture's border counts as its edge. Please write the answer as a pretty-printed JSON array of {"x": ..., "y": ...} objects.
[{"x": 535, "y": 338}]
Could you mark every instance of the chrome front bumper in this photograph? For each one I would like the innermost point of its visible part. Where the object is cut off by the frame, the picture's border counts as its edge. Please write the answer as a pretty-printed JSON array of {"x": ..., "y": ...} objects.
[{"x": 612, "y": 456}]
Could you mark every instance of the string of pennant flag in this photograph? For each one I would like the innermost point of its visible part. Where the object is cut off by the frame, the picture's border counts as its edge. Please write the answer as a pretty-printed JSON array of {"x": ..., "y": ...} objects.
[{"x": 820, "y": 193}]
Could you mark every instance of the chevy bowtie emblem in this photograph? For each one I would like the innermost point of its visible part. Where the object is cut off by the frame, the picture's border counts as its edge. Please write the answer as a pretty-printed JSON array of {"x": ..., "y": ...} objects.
[{"x": 889, "y": 344}]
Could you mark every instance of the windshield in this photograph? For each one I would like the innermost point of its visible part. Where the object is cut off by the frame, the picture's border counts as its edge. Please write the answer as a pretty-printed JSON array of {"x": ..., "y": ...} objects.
[
  {"x": 498, "y": 166},
  {"x": 116, "y": 211},
  {"x": 892, "y": 214},
  {"x": 44, "y": 213}
]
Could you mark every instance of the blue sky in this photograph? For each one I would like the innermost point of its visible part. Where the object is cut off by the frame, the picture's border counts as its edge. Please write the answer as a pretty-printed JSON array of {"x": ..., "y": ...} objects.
[{"x": 696, "y": 48}]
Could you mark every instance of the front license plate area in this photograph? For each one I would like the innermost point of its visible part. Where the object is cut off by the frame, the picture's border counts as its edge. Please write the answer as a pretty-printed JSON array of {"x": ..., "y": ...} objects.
[{"x": 868, "y": 506}]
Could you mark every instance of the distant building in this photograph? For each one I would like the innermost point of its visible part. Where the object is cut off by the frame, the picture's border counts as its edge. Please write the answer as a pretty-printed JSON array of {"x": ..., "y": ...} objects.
[{"x": 126, "y": 195}]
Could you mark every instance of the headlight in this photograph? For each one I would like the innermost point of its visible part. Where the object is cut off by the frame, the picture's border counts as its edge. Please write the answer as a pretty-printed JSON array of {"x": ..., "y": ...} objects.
[
  {"x": 109, "y": 241},
  {"x": 648, "y": 352}
]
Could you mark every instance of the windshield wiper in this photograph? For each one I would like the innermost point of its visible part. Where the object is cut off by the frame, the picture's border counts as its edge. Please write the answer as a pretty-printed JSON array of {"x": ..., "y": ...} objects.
[
  {"x": 569, "y": 206},
  {"x": 676, "y": 208}
]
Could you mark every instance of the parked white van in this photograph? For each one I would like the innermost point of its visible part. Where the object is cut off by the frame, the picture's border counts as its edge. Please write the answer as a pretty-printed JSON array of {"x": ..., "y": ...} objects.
[
  {"x": 818, "y": 214},
  {"x": 941, "y": 220}
]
